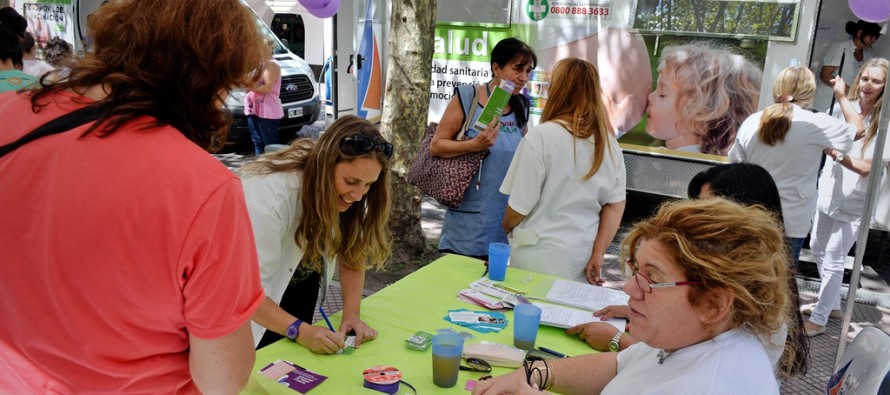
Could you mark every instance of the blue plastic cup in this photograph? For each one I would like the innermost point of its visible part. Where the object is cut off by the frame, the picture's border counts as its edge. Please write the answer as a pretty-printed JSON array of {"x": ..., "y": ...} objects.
[
  {"x": 447, "y": 349},
  {"x": 498, "y": 255},
  {"x": 526, "y": 318}
]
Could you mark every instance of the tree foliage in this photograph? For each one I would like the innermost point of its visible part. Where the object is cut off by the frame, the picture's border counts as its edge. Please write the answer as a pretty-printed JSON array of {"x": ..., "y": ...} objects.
[{"x": 756, "y": 18}]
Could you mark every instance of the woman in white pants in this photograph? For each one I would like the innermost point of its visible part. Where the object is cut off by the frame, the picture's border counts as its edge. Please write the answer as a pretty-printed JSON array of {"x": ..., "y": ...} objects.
[{"x": 842, "y": 188}]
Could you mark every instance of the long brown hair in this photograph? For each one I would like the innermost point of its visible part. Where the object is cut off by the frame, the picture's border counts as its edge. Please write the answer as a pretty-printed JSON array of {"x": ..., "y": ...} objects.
[
  {"x": 174, "y": 61},
  {"x": 795, "y": 84},
  {"x": 360, "y": 234},
  {"x": 576, "y": 103}
]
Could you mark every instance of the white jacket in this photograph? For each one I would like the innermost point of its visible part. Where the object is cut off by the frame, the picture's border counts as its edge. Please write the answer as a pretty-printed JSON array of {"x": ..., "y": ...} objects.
[{"x": 794, "y": 163}]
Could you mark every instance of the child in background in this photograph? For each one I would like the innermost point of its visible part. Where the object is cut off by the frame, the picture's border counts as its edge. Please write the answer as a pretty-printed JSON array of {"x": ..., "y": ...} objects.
[{"x": 702, "y": 96}]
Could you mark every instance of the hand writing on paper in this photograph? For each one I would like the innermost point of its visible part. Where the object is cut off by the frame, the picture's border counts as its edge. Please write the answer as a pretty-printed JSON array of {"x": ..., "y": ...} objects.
[
  {"x": 363, "y": 332},
  {"x": 613, "y": 311},
  {"x": 486, "y": 138},
  {"x": 320, "y": 340}
]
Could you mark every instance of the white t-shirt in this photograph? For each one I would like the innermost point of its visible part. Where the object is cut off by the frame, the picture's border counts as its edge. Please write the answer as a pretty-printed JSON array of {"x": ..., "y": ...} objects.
[
  {"x": 734, "y": 362},
  {"x": 841, "y": 191},
  {"x": 794, "y": 163},
  {"x": 36, "y": 67},
  {"x": 273, "y": 201},
  {"x": 562, "y": 212}
]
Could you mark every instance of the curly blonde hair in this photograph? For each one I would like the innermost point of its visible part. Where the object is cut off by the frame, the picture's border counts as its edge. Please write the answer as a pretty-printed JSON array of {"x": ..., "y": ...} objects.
[
  {"x": 717, "y": 90},
  {"x": 725, "y": 245}
]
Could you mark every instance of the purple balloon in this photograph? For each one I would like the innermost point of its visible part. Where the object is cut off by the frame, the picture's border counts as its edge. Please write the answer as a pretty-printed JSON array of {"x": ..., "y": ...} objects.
[
  {"x": 309, "y": 4},
  {"x": 326, "y": 10},
  {"x": 871, "y": 10}
]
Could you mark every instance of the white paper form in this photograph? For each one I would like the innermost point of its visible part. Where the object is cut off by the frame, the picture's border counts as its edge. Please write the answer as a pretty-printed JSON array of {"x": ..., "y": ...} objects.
[
  {"x": 567, "y": 317},
  {"x": 584, "y": 296}
]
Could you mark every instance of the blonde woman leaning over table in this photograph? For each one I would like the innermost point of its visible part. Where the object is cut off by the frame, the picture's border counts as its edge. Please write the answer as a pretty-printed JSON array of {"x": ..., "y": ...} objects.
[
  {"x": 311, "y": 205},
  {"x": 710, "y": 281},
  {"x": 566, "y": 182}
]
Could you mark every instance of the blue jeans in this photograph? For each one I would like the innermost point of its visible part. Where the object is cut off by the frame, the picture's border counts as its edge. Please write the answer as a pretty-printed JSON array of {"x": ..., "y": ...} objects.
[
  {"x": 794, "y": 245},
  {"x": 263, "y": 132}
]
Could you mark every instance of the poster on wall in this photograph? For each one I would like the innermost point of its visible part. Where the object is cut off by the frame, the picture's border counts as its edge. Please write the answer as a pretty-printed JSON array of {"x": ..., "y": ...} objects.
[
  {"x": 626, "y": 57},
  {"x": 48, "y": 19}
]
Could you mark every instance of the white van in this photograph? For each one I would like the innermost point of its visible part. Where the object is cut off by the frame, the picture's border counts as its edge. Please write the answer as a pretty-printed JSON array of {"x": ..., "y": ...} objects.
[{"x": 299, "y": 92}]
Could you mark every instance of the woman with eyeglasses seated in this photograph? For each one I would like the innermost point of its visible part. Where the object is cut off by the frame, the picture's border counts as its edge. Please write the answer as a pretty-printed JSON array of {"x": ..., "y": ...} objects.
[
  {"x": 709, "y": 282},
  {"x": 314, "y": 204},
  {"x": 745, "y": 183}
]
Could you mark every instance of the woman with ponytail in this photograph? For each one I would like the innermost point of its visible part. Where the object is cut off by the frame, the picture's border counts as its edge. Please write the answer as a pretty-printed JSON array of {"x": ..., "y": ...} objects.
[
  {"x": 787, "y": 138},
  {"x": 567, "y": 181}
]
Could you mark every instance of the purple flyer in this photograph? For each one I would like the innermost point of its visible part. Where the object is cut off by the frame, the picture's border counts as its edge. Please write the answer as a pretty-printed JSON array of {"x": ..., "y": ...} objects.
[{"x": 292, "y": 376}]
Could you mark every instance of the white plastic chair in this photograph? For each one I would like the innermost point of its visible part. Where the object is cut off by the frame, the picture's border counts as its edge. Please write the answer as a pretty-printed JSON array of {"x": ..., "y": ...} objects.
[{"x": 865, "y": 367}]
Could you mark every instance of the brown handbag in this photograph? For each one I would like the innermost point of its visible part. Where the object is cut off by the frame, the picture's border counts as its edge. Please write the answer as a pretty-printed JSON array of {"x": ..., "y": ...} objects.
[{"x": 445, "y": 179}]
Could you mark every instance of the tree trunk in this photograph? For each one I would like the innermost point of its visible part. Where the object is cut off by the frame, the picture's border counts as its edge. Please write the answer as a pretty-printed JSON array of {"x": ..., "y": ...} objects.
[{"x": 404, "y": 118}]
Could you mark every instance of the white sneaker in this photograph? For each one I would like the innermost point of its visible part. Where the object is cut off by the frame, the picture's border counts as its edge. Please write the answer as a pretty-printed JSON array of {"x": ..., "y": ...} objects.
[{"x": 808, "y": 310}]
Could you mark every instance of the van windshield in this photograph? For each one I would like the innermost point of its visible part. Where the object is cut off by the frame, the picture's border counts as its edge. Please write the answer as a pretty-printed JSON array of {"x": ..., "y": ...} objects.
[{"x": 267, "y": 33}]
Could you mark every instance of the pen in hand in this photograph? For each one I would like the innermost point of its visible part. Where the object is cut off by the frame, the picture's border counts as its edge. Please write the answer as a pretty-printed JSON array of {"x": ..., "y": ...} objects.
[
  {"x": 328, "y": 321},
  {"x": 325, "y": 316}
]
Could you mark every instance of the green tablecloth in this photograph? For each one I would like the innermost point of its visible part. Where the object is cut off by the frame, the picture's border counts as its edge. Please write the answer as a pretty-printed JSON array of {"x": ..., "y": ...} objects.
[{"x": 419, "y": 301}]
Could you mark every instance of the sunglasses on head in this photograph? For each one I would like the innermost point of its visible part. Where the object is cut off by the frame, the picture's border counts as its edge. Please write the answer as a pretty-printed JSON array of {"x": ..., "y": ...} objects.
[{"x": 362, "y": 145}]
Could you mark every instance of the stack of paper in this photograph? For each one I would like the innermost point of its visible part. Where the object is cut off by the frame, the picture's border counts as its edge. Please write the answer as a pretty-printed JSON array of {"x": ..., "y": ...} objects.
[
  {"x": 491, "y": 295},
  {"x": 572, "y": 303}
]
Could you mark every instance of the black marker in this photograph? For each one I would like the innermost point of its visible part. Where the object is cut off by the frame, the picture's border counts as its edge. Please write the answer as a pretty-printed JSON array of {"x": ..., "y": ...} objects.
[{"x": 549, "y": 351}]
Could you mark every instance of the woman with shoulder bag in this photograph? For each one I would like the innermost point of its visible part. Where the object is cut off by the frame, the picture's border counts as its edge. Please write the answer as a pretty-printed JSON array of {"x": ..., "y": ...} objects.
[{"x": 469, "y": 228}]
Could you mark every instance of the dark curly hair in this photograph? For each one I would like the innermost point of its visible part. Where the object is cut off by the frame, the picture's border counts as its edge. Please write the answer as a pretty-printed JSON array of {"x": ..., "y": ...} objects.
[{"x": 58, "y": 52}]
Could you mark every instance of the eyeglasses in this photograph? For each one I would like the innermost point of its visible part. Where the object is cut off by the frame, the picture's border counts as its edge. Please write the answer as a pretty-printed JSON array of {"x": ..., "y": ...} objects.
[
  {"x": 647, "y": 284},
  {"x": 362, "y": 145},
  {"x": 476, "y": 365}
]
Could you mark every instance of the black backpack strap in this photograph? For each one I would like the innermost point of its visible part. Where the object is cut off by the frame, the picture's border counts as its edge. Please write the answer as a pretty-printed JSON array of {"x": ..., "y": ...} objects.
[{"x": 61, "y": 124}]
